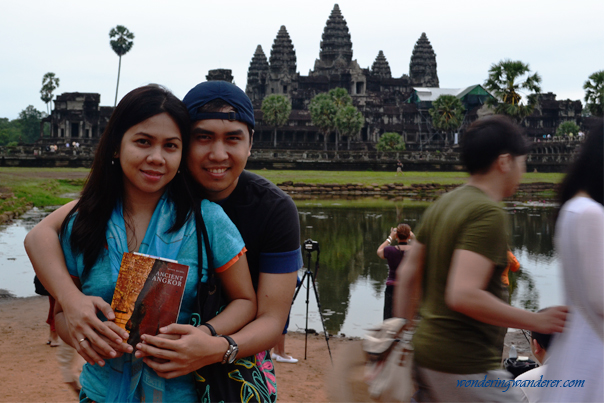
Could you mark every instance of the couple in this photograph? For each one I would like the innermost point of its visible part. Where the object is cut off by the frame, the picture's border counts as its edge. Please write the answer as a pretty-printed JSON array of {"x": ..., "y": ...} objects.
[{"x": 155, "y": 161}]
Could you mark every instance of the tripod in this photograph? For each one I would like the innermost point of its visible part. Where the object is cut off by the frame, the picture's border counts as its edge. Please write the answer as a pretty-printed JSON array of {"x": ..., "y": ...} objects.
[{"x": 310, "y": 246}]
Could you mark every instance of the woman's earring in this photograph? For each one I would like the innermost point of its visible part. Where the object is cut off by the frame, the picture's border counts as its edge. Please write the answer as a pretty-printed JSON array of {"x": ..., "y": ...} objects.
[
  {"x": 178, "y": 171},
  {"x": 112, "y": 162}
]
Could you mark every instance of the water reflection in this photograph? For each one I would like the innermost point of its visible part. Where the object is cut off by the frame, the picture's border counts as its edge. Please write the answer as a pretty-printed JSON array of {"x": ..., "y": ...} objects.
[{"x": 351, "y": 278}]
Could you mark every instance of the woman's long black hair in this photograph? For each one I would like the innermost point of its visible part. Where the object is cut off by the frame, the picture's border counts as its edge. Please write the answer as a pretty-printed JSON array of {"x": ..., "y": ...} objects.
[
  {"x": 104, "y": 187},
  {"x": 587, "y": 171}
]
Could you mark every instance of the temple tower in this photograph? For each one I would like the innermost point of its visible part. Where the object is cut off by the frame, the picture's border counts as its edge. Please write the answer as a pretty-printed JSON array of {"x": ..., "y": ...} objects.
[
  {"x": 283, "y": 55},
  {"x": 257, "y": 75},
  {"x": 381, "y": 67},
  {"x": 336, "y": 46},
  {"x": 422, "y": 68}
]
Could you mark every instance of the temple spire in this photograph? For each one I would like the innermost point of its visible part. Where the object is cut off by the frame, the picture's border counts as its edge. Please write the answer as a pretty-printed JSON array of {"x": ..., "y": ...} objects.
[
  {"x": 381, "y": 67},
  {"x": 283, "y": 55},
  {"x": 335, "y": 41},
  {"x": 257, "y": 75},
  {"x": 422, "y": 68}
]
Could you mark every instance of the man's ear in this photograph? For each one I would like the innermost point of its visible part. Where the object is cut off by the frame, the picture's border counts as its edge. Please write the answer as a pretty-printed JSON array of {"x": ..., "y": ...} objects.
[
  {"x": 536, "y": 347},
  {"x": 504, "y": 162},
  {"x": 249, "y": 151}
]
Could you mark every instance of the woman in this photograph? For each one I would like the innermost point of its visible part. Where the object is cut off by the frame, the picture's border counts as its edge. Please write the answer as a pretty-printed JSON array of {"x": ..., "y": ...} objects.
[
  {"x": 136, "y": 199},
  {"x": 577, "y": 354},
  {"x": 394, "y": 254}
]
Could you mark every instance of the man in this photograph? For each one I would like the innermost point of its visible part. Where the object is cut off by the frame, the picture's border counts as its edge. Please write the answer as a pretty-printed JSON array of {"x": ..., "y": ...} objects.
[
  {"x": 222, "y": 133},
  {"x": 539, "y": 344},
  {"x": 456, "y": 263}
]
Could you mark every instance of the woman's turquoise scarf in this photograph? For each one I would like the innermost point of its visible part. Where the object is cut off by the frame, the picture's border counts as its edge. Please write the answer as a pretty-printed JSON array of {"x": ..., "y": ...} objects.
[{"x": 130, "y": 379}]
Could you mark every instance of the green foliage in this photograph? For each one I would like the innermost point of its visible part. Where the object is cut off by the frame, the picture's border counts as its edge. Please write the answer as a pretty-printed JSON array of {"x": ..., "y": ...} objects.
[
  {"x": 276, "y": 110},
  {"x": 49, "y": 83},
  {"x": 121, "y": 45},
  {"x": 9, "y": 131},
  {"x": 349, "y": 121},
  {"x": 391, "y": 142},
  {"x": 506, "y": 81},
  {"x": 567, "y": 128},
  {"x": 447, "y": 113},
  {"x": 123, "y": 40},
  {"x": 29, "y": 119},
  {"x": 322, "y": 114},
  {"x": 594, "y": 93}
]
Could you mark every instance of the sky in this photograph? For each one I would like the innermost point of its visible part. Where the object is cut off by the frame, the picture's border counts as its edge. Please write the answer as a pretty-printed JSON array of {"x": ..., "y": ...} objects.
[{"x": 177, "y": 42}]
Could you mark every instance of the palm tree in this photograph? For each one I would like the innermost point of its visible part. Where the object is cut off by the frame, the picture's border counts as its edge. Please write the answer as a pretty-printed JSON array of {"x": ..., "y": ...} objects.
[
  {"x": 323, "y": 113},
  {"x": 594, "y": 93},
  {"x": 120, "y": 45},
  {"x": 349, "y": 122},
  {"x": 341, "y": 99},
  {"x": 506, "y": 81},
  {"x": 276, "y": 110},
  {"x": 50, "y": 82},
  {"x": 447, "y": 114}
]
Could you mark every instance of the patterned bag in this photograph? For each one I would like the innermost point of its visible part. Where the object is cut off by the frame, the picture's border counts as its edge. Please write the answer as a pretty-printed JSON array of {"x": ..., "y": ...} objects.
[{"x": 248, "y": 379}]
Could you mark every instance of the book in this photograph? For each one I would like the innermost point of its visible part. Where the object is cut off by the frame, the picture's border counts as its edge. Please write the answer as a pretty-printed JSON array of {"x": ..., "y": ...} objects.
[{"x": 148, "y": 294}]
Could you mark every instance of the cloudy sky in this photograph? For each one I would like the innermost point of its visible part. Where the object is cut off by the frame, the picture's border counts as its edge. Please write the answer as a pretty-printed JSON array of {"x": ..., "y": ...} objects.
[{"x": 177, "y": 42}]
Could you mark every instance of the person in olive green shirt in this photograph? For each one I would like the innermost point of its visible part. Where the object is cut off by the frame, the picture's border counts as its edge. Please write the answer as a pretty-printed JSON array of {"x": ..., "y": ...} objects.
[{"x": 453, "y": 273}]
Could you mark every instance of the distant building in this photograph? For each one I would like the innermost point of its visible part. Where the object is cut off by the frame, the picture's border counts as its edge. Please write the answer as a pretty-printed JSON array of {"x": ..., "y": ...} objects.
[{"x": 77, "y": 116}]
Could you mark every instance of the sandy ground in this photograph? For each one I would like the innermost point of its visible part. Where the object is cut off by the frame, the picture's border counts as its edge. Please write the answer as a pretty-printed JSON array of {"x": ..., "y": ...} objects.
[
  {"x": 30, "y": 373},
  {"x": 29, "y": 370}
]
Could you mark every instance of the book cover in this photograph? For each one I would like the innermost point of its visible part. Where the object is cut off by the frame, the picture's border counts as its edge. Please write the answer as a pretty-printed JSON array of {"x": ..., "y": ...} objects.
[{"x": 148, "y": 294}]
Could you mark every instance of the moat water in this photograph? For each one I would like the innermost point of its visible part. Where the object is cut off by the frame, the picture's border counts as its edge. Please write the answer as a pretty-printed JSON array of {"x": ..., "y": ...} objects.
[{"x": 351, "y": 278}]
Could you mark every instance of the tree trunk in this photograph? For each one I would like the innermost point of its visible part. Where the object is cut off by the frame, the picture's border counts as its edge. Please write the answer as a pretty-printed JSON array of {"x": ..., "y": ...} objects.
[
  {"x": 275, "y": 137},
  {"x": 118, "y": 81}
]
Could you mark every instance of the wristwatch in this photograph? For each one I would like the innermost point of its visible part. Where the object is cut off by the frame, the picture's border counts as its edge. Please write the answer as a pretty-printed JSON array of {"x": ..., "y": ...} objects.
[{"x": 231, "y": 354}]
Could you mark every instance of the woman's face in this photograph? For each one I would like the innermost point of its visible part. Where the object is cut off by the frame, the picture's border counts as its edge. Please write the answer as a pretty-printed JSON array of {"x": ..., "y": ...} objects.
[{"x": 150, "y": 155}]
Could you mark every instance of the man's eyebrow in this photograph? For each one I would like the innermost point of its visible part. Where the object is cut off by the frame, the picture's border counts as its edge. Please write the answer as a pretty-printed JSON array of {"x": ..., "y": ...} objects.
[
  {"x": 235, "y": 132},
  {"x": 198, "y": 130}
]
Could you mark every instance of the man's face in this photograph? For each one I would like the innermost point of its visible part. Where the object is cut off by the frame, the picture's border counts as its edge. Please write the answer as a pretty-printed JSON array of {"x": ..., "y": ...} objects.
[
  {"x": 517, "y": 169},
  {"x": 218, "y": 154}
]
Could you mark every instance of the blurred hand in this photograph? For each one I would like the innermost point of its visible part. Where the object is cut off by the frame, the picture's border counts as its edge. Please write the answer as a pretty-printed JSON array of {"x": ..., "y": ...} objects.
[{"x": 551, "y": 320}]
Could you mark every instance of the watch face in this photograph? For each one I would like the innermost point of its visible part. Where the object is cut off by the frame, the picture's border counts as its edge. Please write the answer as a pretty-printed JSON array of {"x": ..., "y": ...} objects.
[{"x": 233, "y": 354}]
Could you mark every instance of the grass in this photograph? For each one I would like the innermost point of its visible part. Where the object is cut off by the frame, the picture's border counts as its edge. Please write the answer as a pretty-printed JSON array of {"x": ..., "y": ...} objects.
[
  {"x": 31, "y": 187},
  {"x": 382, "y": 178}
]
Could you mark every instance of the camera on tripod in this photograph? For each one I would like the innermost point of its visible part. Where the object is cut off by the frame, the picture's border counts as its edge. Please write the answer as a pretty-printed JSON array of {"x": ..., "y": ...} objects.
[{"x": 311, "y": 246}]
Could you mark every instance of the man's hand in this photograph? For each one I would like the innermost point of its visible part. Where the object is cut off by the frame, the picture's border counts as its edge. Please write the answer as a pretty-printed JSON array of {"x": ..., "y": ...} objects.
[
  {"x": 185, "y": 350},
  {"x": 551, "y": 320}
]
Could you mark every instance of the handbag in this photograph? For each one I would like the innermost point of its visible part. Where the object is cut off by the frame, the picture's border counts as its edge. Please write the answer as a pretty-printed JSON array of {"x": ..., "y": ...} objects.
[
  {"x": 388, "y": 369},
  {"x": 39, "y": 288},
  {"x": 248, "y": 379}
]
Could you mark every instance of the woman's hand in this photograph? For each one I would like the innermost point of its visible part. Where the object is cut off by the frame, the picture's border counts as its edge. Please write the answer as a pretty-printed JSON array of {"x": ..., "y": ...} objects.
[
  {"x": 393, "y": 233},
  {"x": 185, "y": 350},
  {"x": 120, "y": 348},
  {"x": 82, "y": 323}
]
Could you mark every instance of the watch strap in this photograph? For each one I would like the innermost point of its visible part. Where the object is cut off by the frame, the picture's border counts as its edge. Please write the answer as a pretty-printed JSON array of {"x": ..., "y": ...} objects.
[
  {"x": 212, "y": 330},
  {"x": 232, "y": 346}
]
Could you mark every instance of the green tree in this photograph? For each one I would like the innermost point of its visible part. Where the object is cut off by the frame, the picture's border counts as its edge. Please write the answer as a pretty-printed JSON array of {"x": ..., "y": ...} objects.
[
  {"x": 120, "y": 45},
  {"x": 349, "y": 122},
  {"x": 323, "y": 114},
  {"x": 567, "y": 128},
  {"x": 29, "y": 120},
  {"x": 594, "y": 93},
  {"x": 341, "y": 99},
  {"x": 507, "y": 79},
  {"x": 10, "y": 131},
  {"x": 50, "y": 82},
  {"x": 275, "y": 112},
  {"x": 447, "y": 114},
  {"x": 391, "y": 142}
]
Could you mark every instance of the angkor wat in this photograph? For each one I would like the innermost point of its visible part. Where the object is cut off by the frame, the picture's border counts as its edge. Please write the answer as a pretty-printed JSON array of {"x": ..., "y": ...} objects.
[{"x": 388, "y": 103}]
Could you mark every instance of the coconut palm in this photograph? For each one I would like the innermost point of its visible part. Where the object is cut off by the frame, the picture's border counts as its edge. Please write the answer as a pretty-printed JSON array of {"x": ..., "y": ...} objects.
[
  {"x": 50, "y": 82},
  {"x": 276, "y": 110},
  {"x": 120, "y": 45},
  {"x": 447, "y": 113},
  {"x": 507, "y": 81},
  {"x": 341, "y": 99},
  {"x": 594, "y": 93}
]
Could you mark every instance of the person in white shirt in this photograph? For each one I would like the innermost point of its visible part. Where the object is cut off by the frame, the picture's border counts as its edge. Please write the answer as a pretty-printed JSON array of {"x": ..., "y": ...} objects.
[{"x": 539, "y": 345}]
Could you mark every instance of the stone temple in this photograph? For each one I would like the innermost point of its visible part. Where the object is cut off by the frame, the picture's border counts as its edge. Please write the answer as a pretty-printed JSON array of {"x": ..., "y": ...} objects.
[{"x": 389, "y": 103}]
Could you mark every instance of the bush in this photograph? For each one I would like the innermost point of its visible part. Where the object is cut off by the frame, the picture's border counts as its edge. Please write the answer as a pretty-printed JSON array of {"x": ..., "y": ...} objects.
[
  {"x": 567, "y": 128},
  {"x": 391, "y": 142}
]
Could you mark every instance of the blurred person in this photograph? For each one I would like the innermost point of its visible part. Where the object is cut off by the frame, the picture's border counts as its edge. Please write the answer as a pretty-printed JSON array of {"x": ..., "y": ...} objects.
[
  {"x": 539, "y": 344},
  {"x": 578, "y": 353},
  {"x": 456, "y": 263},
  {"x": 394, "y": 254}
]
